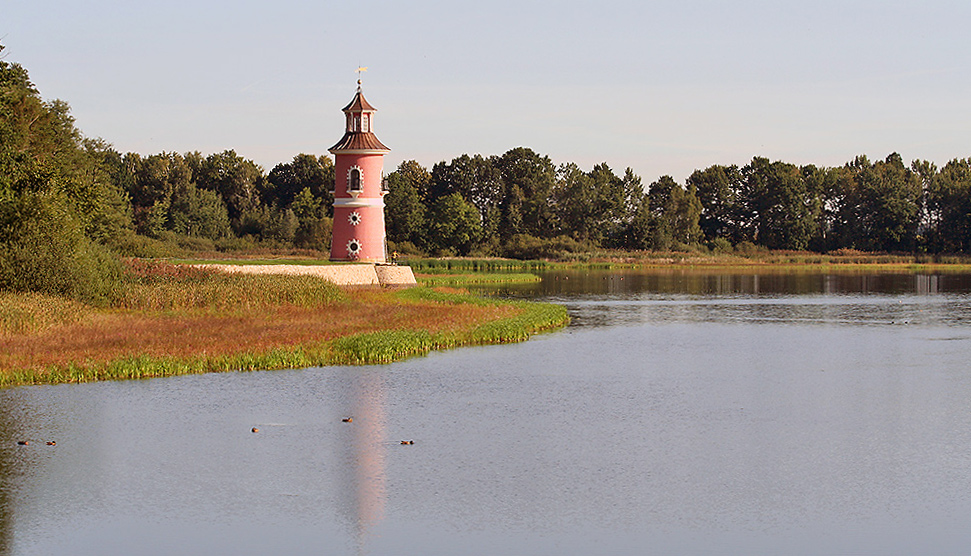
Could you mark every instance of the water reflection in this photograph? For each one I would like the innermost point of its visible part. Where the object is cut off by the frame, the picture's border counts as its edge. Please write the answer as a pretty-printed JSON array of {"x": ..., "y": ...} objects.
[
  {"x": 774, "y": 414},
  {"x": 365, "y": 469},
  {"x": 8, "y": 471},
  {"x": 759, "y": 282}
]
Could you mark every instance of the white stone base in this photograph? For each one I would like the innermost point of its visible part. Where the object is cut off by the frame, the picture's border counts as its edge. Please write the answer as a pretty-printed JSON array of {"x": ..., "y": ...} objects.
[{"x": 340, "y": 274}]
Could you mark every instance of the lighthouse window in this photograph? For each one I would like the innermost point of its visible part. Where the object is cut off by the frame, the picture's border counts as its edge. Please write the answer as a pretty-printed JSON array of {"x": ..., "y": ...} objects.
[{"x": 354, "y": 179}]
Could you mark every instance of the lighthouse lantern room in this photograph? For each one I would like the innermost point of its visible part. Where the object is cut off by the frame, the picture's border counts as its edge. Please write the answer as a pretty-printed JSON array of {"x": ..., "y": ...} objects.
[{"x": 358, "y": 190}]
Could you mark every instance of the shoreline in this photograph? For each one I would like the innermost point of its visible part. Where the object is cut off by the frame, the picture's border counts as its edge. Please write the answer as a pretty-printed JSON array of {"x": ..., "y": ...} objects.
[{"x": 367, "y": 326}]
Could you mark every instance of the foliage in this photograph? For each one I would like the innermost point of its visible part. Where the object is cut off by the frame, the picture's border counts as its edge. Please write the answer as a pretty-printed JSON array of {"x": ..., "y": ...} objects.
[
  {"x": 236, "y": 179},
  {"x": 43, "y": 247},
  {"x": 404, "y": 210},
  {"x": 514, "y": 204},
  {"x": 306, "y": 172},
  {"x": 453, "y": 225}
]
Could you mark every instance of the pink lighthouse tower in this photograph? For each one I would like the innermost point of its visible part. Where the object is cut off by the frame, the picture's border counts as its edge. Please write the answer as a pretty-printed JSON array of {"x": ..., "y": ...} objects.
[{"x": 358, "y": 189}]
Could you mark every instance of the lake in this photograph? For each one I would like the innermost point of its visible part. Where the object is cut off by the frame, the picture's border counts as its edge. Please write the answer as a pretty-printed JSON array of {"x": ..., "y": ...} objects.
[{"x": 680, "y": 413}]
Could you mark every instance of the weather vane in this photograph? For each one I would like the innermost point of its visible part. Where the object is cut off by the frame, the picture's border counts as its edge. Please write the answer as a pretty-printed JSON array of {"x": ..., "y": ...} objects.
[{"x": 360, "y": 70}]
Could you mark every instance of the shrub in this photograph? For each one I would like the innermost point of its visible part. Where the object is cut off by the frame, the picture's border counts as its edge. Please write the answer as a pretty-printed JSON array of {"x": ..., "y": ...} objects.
[
  {"x": 749, "y": 248},
  {"x": 720, "y": 245},
  {"x": 45, "y": 250}
]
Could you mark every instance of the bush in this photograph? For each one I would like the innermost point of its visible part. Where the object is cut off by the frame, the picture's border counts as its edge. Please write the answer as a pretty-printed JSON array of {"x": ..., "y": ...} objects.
[
  {"x": 524, "y": 246},
  {"x": 44, "y": 250},
  {"x": 404, "y": 248},
  {"x": 749, "y": 248},
  {"x": 721, "y": 245},
  {"x": 136, "y": 245}
]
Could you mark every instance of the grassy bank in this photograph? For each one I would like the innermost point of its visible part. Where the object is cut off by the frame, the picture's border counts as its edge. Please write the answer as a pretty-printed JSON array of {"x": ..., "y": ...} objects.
[
  {"x": 472, "y": 279},
  {"x": 173, "y": 320},
  {"x": 606, "y": 260}
]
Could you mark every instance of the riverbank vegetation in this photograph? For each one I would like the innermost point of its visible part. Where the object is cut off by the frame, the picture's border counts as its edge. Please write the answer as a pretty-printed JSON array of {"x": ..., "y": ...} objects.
[{"x": 174, "y": 320}]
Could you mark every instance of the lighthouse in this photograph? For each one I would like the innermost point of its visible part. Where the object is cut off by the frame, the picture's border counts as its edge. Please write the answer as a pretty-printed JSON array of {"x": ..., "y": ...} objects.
[{"x": 358, "y": 187}]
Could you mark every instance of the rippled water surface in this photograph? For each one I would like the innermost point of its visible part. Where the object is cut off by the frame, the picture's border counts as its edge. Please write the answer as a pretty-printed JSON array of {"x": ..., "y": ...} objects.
[{"x": 678, "y": 414}]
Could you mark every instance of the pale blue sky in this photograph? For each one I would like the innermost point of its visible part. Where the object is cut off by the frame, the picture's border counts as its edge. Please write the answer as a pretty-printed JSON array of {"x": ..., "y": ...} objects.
[{"x": 662, "y": 87}]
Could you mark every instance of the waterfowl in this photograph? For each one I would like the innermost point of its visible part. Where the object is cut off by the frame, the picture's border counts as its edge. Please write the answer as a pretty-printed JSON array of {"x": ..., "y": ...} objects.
[
  {"x": 23, "y": 442},
  {"x": 256, "y": 429},
  {"x": 407, "y": 441},
  {"x": 347, "y": 420},
  {"x": 51, "y": 443}
]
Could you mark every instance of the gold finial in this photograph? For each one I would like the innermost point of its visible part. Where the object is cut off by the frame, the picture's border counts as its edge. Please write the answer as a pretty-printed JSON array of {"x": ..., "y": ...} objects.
[{"x": 360, "y": 70}]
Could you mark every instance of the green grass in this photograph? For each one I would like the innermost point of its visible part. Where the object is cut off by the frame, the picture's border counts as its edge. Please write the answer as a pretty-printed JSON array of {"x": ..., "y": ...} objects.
[
  {"x": 393, "y": 345},
  {"x": 473, "y": 265},
  {"x": 445, "y": 279}
]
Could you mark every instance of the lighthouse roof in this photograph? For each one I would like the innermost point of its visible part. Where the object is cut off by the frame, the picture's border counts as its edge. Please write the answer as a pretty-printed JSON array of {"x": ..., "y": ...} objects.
[
  {"x": 359, "y": 141},
  {"x": 359, "y": 104}
]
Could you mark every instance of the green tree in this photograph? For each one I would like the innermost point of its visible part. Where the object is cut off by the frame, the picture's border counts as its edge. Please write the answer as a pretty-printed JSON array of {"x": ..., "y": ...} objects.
[
  {"x": 43, "y": 247},
  {"x": 404, "y": 211},
  {"x": 236, "y": 179},
  {"x": 949, "y": 207},
  {"x": 780, "y": 210},
  {"x": 718, "y": 187},
  {"x": 880, "y": 205},
  {"x": 196, "y": 212},
  {"x": 674, "y": 215},
  {"x": 477, "y": 180},
  {"x": 154, "y": 180},
  {"x": 453, "y": 225},
  {"x": 55, "y": 201},
  {"x": 528, "y": 181},
  {"x": 574, "y": 202},
  {"x": 305, "y": 171},
  {"x": 683, "y": 213},
  {"x": 314, "y": 227}
]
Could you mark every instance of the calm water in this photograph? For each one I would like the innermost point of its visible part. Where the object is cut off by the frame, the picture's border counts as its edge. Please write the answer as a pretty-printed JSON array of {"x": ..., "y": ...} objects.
[{"x": 678, "y": 414}]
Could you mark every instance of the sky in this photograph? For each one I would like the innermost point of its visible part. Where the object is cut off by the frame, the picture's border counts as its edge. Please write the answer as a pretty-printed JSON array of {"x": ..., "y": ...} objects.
[{"x": 662, "y": 87}]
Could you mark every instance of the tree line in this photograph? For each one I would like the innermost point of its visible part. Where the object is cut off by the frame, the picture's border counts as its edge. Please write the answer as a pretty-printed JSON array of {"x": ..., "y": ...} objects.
[
  {"x": 503, "y": 204},
  {"x": 70, "y": 204}
]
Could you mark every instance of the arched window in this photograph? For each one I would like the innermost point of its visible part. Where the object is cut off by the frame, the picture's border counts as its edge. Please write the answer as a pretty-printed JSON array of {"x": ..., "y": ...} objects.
[{"x": 354, "y": 179}]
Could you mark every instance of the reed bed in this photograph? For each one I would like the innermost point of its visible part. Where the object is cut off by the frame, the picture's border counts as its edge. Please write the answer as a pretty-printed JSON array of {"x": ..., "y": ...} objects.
[
  {"x": 27, "y": 313},
  {"x": 171, "y": 320},
  {"x": 476, "y": 279},
  {"x": 474, "y": 265},
  {"x": 392, "y": 345},
  {"x": 159, "y": 286}
]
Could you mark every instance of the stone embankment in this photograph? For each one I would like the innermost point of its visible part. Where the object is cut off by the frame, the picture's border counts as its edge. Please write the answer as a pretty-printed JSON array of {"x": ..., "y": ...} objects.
[{"x": 340, "y": 274}]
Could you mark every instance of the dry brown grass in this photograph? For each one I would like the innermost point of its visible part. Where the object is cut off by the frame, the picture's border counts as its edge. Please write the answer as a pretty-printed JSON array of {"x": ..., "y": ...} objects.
[{"x": 113, "y": 335}]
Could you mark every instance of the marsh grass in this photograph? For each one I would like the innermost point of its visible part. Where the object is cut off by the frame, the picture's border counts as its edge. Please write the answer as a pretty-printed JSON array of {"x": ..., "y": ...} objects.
[
  {"x": 161, "y": 286},
  {"x": 476, "y": 279},
  {"x": 391, "y": 345},
  {"x": 171, "y": 320},
  {"x": 26, "y": 313},
  {"x": 474, "y": 265}
]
